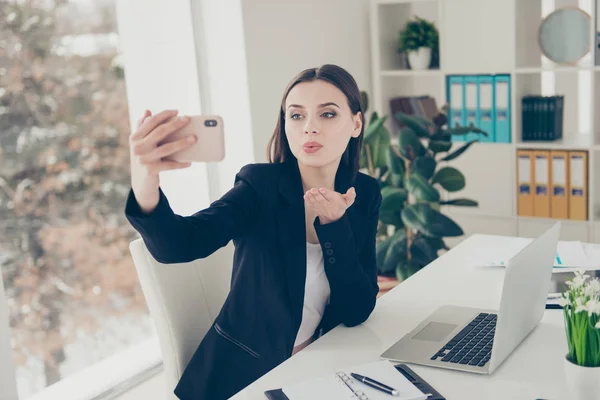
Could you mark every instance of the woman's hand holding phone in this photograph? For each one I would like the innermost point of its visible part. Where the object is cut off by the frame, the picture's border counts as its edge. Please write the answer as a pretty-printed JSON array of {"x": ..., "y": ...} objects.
[{"x": 147, "y": 155}]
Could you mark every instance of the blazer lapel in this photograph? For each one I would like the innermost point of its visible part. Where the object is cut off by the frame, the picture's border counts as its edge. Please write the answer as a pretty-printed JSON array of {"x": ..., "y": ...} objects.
[{"x": 291, "y": 236}]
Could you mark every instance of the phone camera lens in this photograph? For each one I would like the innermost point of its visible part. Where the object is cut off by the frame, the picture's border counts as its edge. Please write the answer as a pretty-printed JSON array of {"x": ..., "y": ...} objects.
[{"x": 210, "y": 122}]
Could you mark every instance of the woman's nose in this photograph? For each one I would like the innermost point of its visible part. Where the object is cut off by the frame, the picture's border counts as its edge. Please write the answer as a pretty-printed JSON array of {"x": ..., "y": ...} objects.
[{"x": 310, "y": 126}]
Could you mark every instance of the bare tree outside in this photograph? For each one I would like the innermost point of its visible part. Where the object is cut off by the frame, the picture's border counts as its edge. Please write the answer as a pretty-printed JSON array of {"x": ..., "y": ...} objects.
[{"x": 73, "y": 292}]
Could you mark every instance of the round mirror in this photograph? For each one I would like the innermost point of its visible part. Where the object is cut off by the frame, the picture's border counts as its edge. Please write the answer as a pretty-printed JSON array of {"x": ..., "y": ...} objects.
[{"x": 564, "y": 35}]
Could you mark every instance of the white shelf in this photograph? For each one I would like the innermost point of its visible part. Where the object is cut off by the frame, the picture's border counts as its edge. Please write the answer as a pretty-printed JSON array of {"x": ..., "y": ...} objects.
[
  {"x": 551, "y": 220},
  {"x": 505, "y": 37},
  {"x": 576, "y": 142},
  {"x": 404, "y": 1},
  {"x": 537, "y": 70},
  {"x": 410, "y": 72}
]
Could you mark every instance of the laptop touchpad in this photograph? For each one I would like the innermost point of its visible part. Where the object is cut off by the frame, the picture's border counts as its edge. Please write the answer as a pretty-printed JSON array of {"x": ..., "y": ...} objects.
[{"x": 434, "y": 331}]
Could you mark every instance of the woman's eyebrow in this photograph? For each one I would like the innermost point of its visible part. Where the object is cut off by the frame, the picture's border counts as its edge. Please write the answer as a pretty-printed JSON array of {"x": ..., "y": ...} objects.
[{"x": 320, "y": 105}]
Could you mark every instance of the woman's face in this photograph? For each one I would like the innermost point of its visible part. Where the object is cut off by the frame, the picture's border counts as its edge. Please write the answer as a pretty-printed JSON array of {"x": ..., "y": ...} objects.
[{"x": 319, "y": 123}]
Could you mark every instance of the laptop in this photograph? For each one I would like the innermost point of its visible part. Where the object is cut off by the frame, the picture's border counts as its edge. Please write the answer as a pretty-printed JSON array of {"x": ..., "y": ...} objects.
[{"x": 478, "y": 340}]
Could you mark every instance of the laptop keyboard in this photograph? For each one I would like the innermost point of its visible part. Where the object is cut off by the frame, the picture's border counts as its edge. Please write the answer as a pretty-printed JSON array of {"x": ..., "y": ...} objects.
[{"x": 473, "y": 344}]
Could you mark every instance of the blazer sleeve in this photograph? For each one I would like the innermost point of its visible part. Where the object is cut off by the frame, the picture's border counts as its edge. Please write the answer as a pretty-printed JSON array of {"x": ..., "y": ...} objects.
[
  {"x": 172, "y": 238},
  {"x": 352, "y": 276}
]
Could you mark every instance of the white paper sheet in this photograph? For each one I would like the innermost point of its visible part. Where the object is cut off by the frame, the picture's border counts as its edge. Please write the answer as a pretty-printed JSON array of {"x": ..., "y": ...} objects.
[
  {"x": 331, "y": 388},
  {"x": 570, "y": 254}
]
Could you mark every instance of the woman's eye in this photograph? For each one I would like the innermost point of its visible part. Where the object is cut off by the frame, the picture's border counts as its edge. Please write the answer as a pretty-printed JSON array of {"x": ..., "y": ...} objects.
[
  {"x": 328, "y": 114},
  {"x": 293, "y": 116}
]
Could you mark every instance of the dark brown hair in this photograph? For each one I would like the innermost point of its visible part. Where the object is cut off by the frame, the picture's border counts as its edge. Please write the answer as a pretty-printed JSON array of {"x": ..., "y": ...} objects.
[{"x": 278, "y": 148}]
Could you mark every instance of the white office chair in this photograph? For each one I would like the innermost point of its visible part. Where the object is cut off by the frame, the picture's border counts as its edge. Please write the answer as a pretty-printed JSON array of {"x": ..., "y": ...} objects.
[
  {"x": 183, "y": 299},
  {"x": 8, "y": 383}
]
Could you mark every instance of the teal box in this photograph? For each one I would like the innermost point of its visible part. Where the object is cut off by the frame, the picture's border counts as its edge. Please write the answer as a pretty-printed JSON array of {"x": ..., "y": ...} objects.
[
  {"x": 502, "y": 108},
  {"x": 456, "y": 104},
  {"x": 486, "y": 119}
]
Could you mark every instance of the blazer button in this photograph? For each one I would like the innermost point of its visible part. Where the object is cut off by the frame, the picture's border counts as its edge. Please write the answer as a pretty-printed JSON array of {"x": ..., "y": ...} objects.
[
  {"x": 327, "y": 245},
  {"x": 329, "y": 252},
  {"x": 331, "y": 260}
]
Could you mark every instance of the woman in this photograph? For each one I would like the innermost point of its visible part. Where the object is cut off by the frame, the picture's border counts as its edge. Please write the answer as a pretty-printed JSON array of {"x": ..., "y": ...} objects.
[{"x": 303, "y": 226}]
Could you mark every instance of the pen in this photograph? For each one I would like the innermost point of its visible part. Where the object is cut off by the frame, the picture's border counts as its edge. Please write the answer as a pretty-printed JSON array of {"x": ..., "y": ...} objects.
[{"x": 374, "y": 384}]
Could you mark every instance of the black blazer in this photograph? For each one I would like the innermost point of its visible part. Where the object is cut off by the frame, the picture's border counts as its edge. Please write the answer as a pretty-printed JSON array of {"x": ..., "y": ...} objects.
[{"x": 264, "y": 216}]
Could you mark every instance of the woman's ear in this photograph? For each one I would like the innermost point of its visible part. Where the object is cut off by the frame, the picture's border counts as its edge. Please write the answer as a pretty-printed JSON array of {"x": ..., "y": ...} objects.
[{"x": 358, "y": 123}]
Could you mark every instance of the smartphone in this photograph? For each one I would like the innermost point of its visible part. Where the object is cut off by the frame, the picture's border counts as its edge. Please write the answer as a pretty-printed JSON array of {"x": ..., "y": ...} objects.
[{"x": 210, "y": 143}]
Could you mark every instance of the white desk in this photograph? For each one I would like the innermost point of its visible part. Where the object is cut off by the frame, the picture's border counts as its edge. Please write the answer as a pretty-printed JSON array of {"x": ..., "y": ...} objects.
[{"x": 534, "y": 370}]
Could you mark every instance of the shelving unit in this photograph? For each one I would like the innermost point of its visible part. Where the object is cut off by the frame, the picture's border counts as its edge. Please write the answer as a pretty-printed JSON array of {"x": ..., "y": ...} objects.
[{"x": 504, "y": 34}]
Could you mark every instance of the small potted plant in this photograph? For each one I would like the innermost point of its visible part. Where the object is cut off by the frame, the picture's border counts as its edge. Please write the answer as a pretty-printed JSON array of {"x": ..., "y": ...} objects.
[
  {"x": 419, "y": 40},
  {"x": 581, "y": 308}
]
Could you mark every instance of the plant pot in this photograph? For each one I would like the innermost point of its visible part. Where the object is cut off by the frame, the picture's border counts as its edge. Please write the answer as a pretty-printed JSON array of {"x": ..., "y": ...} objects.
[
  {"x": 420, "y": 59},
  {"x": 582, "y": 382}
]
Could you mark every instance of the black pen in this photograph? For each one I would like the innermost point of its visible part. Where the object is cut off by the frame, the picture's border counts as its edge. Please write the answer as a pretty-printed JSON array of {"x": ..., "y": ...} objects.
[{"x": 374, "y": 384}]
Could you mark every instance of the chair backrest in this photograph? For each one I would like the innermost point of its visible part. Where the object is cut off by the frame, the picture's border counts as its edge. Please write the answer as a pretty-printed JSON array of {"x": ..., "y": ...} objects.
[
  {"x": 183, "y": 299},
  {"x": 8, "y": 383}
]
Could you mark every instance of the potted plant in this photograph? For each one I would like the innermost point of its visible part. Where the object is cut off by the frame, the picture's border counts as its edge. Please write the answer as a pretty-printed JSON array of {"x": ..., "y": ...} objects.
[
  {"x": 420, "y": 41},
  {"x": 411, "y": 169},
  {"x": 581, "y": 309}
]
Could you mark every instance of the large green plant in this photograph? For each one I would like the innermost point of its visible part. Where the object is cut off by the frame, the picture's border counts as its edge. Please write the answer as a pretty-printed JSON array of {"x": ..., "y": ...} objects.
[{"x": 410, "y": 170}]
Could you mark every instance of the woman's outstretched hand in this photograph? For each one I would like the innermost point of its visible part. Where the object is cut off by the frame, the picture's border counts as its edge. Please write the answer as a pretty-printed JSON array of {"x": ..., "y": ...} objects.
[{"x": 329, "y": 205}]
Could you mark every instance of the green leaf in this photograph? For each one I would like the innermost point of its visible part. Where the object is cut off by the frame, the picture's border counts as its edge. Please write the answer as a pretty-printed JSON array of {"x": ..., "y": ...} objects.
[
  {"x": 463, "y": 130},
  {"x": 391, "y": 205},
  {"x": 460, "y": 202},
  {"x": 450, "y": 178},
  {"x": 395, "y": 180},
  {"x": 392, "y": 199},
  {"x": 378, "y": 144},
  {"x": 374, "y": 127},
  {"x": 394, "y": 163},
  {"x": 409, "y": 144},
  {"x": 392, "y": 218},
  {"x": 438, "y": 146},
  {"x": 424, "y": 165},
  {"x": 380, "y": 252},
  {"x": 459, "y": 151},
  {"x": 417, "y": 127},
  {"x": 421, "y": 188},
  {"x": 421, "y": 252},
  {"x": 441, "y": 136},
  {"x": 430, "y": 222},
  {"x": 406, "y": 269},
  {"x": 436, "y": 243},
  {"x": 396, "y": 251}
]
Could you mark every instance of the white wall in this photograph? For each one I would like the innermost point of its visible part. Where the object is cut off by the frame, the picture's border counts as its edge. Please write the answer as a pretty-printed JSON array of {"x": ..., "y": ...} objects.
[{"x": 283, "y": 37}]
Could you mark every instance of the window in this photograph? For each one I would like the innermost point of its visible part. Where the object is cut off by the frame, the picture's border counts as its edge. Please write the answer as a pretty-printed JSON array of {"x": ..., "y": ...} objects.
[{"x": 74, "y": 296}]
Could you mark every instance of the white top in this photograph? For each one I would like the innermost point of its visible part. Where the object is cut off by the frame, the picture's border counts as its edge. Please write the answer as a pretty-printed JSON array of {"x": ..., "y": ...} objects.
[
  {"x": 535, "y": 370},
  {"x": 316, "y": 293}
]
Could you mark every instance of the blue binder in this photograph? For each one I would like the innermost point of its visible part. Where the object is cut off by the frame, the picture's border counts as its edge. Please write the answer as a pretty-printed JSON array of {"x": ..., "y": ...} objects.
[
  {"x": 486, "y": 121},
  {"x": 471, "y": 105},
  {"x": 456, "y": 102},
  {"x": 502, "y": 108}
]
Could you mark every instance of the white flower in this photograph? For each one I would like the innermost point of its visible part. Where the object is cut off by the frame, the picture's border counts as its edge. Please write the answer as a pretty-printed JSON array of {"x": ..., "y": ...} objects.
[
  {"x": 564, "y": 301},
  {"x": 578, "y": 281},
  {"x": 593, "y": 307},
  {"x": 579, "y": 306},
  {"x": 592, "y": 288}
]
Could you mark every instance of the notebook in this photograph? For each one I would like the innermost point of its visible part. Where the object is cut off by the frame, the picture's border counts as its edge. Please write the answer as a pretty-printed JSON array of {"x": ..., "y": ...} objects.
[{"x": 332, "y": 386}]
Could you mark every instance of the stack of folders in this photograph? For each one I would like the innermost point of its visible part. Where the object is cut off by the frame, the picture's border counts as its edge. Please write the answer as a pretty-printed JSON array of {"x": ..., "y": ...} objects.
[
  {"x": 552, "y": 184},
  {"x": 422, "y": 106},
  {"x": 482, "y": 101},
  {"x": 542, "y": 117}
]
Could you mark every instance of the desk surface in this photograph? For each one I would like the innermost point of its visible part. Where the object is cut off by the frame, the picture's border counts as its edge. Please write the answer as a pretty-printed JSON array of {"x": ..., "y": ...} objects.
[{"x": 534, "y": 370}]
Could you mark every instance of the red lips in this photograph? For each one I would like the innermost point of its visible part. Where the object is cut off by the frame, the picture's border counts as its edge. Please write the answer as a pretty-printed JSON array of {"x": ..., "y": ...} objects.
[{"x": 312, "y": 144}]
